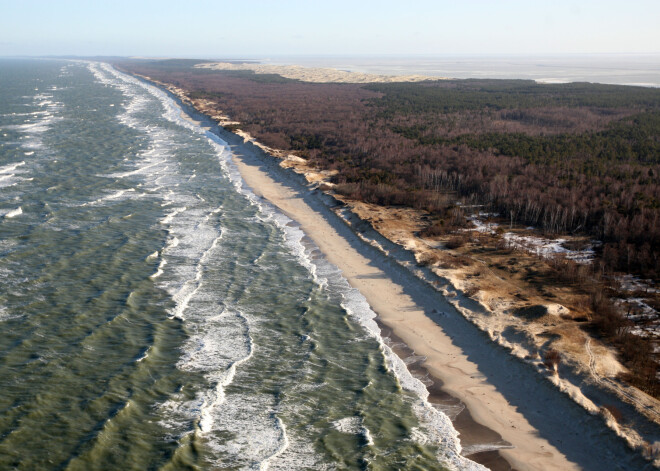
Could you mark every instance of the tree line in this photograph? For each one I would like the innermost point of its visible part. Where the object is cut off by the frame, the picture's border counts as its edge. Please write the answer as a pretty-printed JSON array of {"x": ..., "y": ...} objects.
[{"x": 578, "y": 158}]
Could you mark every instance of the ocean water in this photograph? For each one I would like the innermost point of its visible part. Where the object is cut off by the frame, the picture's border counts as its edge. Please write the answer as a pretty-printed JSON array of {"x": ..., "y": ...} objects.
[{"x": 155, "y": 314}]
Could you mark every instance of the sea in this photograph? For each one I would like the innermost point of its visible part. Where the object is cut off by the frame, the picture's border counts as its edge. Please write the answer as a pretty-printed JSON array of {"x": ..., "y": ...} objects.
[{"x": 157, "y": 315}]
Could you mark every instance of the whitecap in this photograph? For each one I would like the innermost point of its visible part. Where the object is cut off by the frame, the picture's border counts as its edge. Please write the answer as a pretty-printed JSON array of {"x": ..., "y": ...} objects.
[
  {"x": 14, "y": 212},
  {"x": 159, "y": 271},
  {"x": 116, "y": 196},
  {"x": 437, "y": 426},
  {"x": 10, "y": 167}
]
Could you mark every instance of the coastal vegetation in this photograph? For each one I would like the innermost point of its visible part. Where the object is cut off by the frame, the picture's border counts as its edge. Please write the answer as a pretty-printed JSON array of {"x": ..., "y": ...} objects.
[{"x": 579, "y": 159}]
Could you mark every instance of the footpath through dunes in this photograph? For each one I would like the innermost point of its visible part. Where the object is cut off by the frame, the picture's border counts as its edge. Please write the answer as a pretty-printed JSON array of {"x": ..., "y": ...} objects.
[{"x": 546, "y": 429}]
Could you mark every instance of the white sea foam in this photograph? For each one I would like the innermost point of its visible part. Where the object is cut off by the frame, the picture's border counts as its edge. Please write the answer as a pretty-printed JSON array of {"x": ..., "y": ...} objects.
[
  {"x": 6, "y": 315},
  {"x": 10, "y": 174},
  {"x": 354, "y": 426},
  {"x": 218, "y": 344},
  {"x": 143, "y": 355},
  {"x": 159, "y": 271},
  {"x": 438, "y": 427},
  {"x": 350, "y": 425},
  {"x": 209, "y": 354},
  {"x": 366, "y": 435},
  {"x": 13, "y": 213},
  {"x": 437, "y": 424},
  {"x": 218, "y": 354},
  {"x": 7, "y": 169},
  {"x": 172, "y": 243},
  {"x": 168, "y": 219},
  {"x": 119, "y": 195},
  {"x": 142, "y": 169},
  {"x": 203, "y": 236},
  {"x": 38, "y": 122}
]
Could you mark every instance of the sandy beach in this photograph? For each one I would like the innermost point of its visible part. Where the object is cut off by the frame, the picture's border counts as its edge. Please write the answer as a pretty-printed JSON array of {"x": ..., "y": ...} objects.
[
  {"x": 545, "y": 429},
  {"x": 514, "y": 418}
]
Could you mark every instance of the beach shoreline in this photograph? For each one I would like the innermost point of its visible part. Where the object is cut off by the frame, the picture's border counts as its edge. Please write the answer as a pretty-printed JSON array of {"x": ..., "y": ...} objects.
[
  {"x": 476, "y": 375},
  {"x": 479, "y": 443},
  {"x": 501, "y": 392},
  {"x": 389, "y": 300}
]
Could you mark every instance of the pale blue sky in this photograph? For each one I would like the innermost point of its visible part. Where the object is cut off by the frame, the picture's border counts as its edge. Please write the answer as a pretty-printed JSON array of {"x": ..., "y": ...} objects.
[{"x": 252, "y": 28}]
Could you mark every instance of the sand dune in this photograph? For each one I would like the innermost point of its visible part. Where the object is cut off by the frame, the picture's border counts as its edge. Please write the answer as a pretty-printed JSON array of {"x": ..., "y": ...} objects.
[{"x": 315, "y": 74}]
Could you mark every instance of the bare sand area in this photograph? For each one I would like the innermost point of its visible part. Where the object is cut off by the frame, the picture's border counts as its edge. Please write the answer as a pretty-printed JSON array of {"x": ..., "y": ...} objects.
[{"x": 315, "y": 74}]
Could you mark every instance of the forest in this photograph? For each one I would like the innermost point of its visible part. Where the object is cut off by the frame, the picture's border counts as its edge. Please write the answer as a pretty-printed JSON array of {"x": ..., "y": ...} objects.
[
  {"x": 567, "y": 158},
  {"x": 580, "y": 159}
]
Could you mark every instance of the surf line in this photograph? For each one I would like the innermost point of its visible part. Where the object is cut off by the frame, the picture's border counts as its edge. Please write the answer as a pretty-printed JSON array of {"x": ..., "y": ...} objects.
[{"x": 436, "y": 422}]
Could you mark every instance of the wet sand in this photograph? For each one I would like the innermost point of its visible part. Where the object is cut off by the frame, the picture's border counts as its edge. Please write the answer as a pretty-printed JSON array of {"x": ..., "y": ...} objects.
[{"x": 473, "y": 435}]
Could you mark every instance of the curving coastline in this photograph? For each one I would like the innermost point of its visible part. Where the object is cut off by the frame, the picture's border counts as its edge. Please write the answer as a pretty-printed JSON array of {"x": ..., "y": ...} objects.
[{"x": 500, "y": 391}]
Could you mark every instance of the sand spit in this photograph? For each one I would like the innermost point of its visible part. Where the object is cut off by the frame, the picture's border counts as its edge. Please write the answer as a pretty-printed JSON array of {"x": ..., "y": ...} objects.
[
  {"x": 316, "y": 74},
  {"x": 540, "y": 413}
]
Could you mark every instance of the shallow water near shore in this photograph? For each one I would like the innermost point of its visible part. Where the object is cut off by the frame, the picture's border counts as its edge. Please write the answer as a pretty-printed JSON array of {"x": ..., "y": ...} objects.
[{"x": 157, "y": 315}]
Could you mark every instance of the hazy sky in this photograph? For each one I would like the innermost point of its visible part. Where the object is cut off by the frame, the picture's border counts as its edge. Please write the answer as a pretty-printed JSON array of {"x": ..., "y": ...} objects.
[{"x": 242, "y": 28}]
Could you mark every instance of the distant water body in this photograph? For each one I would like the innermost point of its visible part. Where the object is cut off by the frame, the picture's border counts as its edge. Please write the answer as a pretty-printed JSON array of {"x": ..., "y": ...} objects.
[
  {"x": 155, "y": 314},
  {"x": 639, "y": 70}
]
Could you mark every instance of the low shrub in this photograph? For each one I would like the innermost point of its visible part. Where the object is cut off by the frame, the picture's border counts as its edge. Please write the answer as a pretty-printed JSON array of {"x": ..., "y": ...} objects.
[
  {"x": 456, "y": 241},
  {"x": 551, "y": 359},
  {"x": 429, "y": 259}
]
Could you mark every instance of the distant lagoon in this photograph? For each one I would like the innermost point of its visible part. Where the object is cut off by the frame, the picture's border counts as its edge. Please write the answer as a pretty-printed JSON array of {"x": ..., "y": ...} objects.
[{"x": 620, "y": 69}]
